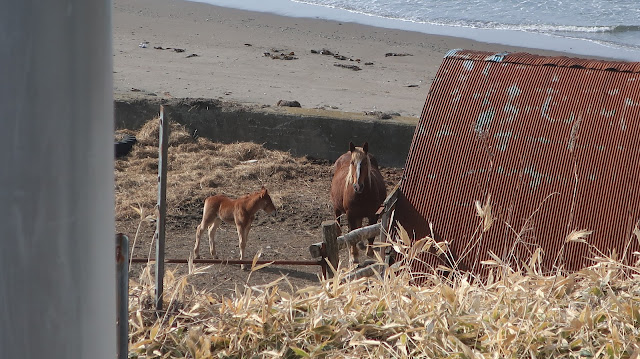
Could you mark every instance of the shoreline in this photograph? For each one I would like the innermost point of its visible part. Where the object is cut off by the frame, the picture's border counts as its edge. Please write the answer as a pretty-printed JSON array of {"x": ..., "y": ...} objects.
[
  {"x": 508, "y": 36},
  {"x": 230, "y": 63}
]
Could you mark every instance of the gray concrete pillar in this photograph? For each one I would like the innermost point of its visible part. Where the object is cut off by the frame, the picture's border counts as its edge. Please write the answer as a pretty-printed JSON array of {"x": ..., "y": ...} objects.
[{"x": 57, "y": 250}]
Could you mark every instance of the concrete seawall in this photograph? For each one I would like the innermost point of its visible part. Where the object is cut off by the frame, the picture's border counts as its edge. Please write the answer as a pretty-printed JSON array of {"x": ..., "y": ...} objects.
[{"x": 316, "y": 133}]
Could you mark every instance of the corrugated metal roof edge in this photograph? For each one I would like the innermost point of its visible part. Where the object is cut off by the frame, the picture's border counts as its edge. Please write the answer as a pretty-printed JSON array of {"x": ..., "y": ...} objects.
[{"x": 538, "y": 60}]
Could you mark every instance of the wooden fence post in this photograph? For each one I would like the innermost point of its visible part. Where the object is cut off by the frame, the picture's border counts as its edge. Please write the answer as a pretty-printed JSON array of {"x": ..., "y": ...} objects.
[
  {"x": 330, "y": 239},
  {"x": 162, "y": 206}
]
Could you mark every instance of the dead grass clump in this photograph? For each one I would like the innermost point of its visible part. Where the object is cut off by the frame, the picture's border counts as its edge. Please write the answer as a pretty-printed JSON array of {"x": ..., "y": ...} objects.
[
  {"x": 150, "y": 132},
  {"x": 200, "y": 145},
  {"x": 244, "y": 151},
  {"x": 195, "y": 169},
  {"x": 592, "y": 313},
  {"x": 148, "y": 165},
  {"x": 121, "y": 166},
  {"x": 142, "y": 152},
  {"x": 211, "y": 181},
  {"x": 120, "y": 134}
]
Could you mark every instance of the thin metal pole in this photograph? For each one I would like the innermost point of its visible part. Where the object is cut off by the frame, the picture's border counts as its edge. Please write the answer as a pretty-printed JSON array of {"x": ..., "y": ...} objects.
[
  {"x": 162, "y": 206},
  {"x": 122, "y": 294}
]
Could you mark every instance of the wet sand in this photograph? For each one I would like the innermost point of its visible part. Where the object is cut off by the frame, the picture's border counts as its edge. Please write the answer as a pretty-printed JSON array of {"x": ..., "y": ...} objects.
[{"x": 259, "y": 58}]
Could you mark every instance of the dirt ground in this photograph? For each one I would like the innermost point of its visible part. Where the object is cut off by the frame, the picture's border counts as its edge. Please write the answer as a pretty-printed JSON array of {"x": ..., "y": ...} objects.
[{"x": 199, "y": 168}]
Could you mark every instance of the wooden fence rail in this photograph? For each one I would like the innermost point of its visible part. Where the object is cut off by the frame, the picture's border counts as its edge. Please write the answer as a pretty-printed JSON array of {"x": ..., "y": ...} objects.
[{"x": 344, "y": 241}]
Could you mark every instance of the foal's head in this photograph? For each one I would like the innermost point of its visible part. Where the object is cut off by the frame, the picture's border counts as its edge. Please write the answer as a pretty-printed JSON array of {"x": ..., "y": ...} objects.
[
  {"x": 359, "y": 167},
  {"x": 269, "y": 207}
]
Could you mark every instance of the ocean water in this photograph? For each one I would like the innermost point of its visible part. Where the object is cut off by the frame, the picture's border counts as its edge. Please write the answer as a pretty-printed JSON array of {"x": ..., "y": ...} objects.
[{"x": 608, "y": 28}]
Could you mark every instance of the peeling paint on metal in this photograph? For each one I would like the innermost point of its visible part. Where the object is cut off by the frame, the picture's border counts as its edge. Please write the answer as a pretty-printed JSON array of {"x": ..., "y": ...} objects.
[
  {"x": 485, "y": 71},
  {"x": 545, "y": 108},
  {"x": 452, "y": 53},
  {"x": 542, "y": 140},
  {"x": 545, "y": 141},
  {"x": 444, "y": 132},
  {"x": 510, "y": 109},
  {"x": 484, "y": 120},
  {"x": 503, "y": 140},
  {"x": 513, "y": 91},
  {"x": 499, "y": 57},
  {"x": 571, "y": 118},
  {"x": 468, "y": 65},
  {"x": 537, "y": 176}
]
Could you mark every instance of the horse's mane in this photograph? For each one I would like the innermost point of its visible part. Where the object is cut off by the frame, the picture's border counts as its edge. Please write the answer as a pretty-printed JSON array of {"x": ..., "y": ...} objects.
[
  {"x": 370, "y": 162},
  {"x": 252, "y": 194}
]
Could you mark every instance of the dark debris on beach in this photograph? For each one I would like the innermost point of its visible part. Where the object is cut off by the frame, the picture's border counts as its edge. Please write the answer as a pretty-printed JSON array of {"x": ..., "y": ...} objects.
[{"x": 350, "y": 67}]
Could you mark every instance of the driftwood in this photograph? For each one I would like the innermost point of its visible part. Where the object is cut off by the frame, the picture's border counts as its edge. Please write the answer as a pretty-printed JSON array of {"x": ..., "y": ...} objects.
[
  {"x": 372, "y": 267},
  {"x": 352, "y": 237},
  {"x": 368, "y": 271}
]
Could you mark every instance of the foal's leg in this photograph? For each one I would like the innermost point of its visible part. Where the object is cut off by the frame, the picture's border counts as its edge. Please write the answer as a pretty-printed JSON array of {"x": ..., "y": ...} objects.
[
  {"x": 243, "y": 235},
  {"x": 212, "y": 235},
  {"x": 354, "y": 223},
  {"x": 196, "y": 248}
]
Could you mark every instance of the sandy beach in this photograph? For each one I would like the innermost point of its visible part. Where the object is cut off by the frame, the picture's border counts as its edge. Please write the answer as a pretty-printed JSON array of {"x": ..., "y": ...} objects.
[{"x": 224, "y": 58}]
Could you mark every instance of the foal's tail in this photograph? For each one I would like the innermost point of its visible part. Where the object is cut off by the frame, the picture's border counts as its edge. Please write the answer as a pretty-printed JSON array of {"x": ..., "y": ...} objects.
[
  {"x": 201, "y": 227},
  {"x": 203, "y": 223}
]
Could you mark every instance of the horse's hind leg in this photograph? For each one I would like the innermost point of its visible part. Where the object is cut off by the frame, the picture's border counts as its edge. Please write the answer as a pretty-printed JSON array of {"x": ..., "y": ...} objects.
[
  {"x": 212, "y": 234},
  {"x": 196, "y": 248}
]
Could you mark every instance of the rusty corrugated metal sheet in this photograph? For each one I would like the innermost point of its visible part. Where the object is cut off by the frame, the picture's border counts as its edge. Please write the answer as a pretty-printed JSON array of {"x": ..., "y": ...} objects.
[{"x": 550, "y": 142}]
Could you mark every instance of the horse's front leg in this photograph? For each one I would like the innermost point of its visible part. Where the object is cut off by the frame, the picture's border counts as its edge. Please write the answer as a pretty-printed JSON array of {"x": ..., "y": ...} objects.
[
  {"x": 243, "y": 236},
  {"x": 354, "y": 223}
]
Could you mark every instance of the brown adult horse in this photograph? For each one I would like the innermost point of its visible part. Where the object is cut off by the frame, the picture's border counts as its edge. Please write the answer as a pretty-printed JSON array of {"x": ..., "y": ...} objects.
[
  {"x": 357, "y": 190},
  {"x": 240, "y": 211}
]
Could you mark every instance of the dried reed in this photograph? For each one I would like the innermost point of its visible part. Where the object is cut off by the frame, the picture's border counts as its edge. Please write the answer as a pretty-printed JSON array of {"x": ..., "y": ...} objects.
[{"x": 593, "y": 313}]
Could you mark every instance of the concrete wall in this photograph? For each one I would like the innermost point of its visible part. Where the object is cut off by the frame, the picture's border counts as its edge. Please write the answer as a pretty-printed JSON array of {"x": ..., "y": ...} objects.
[{"x": 311, "y": 132}]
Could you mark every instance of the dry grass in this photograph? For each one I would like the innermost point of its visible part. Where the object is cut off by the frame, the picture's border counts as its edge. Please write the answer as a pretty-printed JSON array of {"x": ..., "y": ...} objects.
[
  {"x": 593, "y": 313},
  {"x": 196, "y": 168}
]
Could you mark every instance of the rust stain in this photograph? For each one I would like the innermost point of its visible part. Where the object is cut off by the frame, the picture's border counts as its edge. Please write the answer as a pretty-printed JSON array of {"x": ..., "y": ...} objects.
[{"x": 549, "y": 142}]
